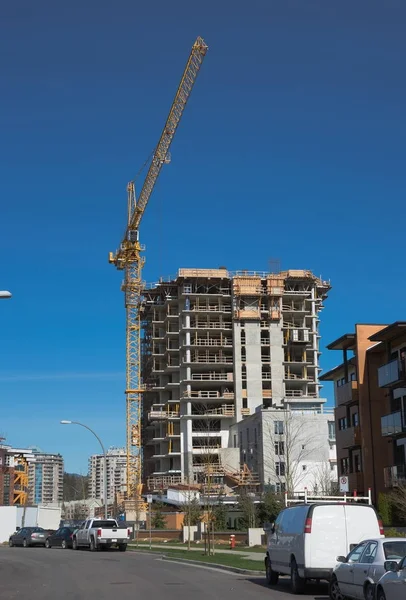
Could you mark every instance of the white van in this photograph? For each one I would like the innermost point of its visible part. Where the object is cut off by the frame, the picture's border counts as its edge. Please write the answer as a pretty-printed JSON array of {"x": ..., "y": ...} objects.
[{"x": 306, "y": 539}]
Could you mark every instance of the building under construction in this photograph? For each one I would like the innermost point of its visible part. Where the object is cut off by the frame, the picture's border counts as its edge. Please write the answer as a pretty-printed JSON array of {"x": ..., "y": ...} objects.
[
  {"x": 14, "y": 474},
  {"x": 217, "y": 346}
]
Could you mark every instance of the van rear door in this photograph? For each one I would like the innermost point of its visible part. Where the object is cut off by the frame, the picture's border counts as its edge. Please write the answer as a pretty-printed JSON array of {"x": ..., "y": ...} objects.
[
  {"x": 362, "y": 523},
  {"x": 328, "y": 538}
]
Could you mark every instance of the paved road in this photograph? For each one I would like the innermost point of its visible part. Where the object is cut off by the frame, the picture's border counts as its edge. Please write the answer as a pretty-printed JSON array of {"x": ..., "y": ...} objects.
[{"x": 39, "y": 574}]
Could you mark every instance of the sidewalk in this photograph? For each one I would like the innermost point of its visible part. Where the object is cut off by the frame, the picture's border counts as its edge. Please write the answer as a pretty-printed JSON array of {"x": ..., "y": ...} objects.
[{"x": 260, "y": 556}]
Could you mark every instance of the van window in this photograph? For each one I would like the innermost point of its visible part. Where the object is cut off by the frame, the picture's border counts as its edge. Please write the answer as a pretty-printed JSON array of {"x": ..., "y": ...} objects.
[
  {"x": 294, "y": 520},
  {"x": 279, "y": 521}
]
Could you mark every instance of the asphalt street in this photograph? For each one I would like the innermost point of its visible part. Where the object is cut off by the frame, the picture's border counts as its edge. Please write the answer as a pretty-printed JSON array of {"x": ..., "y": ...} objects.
[{"x": 56, "y": 574}]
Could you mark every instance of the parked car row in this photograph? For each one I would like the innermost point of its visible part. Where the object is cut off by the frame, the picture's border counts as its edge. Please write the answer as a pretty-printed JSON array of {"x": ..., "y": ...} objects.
[
  {"x": 94, "y": 534},
  {"x": 343, "y": 544}
]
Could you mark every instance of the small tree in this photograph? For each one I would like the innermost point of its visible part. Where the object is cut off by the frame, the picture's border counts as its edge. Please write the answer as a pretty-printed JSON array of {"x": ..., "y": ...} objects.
[
  {"x": 220, "y": 514},
  {"x": 398, "y": 502},
  {"x": 193, "y": 512},
  {"x": 249, "y": 511},
  {"x": 270, "y": 507},
  {"x": 385, "y": 508},
  {"x": 158, "y": 520}
]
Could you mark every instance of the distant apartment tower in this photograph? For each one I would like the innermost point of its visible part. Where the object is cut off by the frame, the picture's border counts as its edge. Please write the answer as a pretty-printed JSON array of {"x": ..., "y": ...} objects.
[
  {"x": 116, "y": 474},
  {"x": 45, "y": 478},
  {"x": 218, "y": 346}
]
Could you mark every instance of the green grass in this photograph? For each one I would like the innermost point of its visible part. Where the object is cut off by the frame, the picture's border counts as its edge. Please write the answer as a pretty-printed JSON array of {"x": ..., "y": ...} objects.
[
  {"x": 257, "y": 549},
  {"x": 219, "y": 558}
]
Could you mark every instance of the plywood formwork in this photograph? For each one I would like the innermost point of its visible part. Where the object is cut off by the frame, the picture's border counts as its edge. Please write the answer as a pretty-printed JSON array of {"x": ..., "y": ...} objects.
[
  {"x": 247, "y": 286},
  {"x": 275, "y": 285},
  {"x": 207, "y": 273}
]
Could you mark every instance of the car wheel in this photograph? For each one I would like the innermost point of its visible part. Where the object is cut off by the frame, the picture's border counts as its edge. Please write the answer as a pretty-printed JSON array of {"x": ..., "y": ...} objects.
[
  {"x": 47, "y": 544},
  {"x": 369, "y": 592},
  {"x": 122, "y": 547},
  {"x": 297, "y": 584},
  {"x": 25, "y": 543},
  {"x": 92, "y": 545},
  {"x": 64, "y": 544},
  {"x": 272, "y": 577},
  {"x": 75, "y": 544},
  {"x": 380, "y": 595},
  {"x": 10, "y": 543},
  {"x": 335, "y": 592}
]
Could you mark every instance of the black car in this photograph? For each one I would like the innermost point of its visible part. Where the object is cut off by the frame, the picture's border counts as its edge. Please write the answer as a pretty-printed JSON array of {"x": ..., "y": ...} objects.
[
  {"x": 61, "y": 538},
  {"x": 28, "y": 536}
]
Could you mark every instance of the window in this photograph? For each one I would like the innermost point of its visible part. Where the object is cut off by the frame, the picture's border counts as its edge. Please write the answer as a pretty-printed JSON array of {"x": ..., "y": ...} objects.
[
  {"x": 331, "y": 430},
  {"x": 345, "y": 466},
  {"x": 280, "y": 468},
  {"x": 243, "y": 354},
  {"x": 240, "y": 441},
  {"x": 279, "y": 448},
  {"x": 280, "y": 487},
  {"x": 342, "y": 423},
  {"x": 235, "y": 440},
  {"x": 278, "y": 427},
  {"x": 304, "y": 467},
  {"x": 355, "y": 420},
  {"x": 369, "y": 553},
  {"x": 357, "y": 463},
  {"x": 356, "y": 554},
  {"x": 245, "y": 402},
  {"x": 353, "y": 376}
]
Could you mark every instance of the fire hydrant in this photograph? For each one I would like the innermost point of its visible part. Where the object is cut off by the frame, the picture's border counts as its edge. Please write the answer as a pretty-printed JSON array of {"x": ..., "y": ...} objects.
[{"x": 232, "y": 541}]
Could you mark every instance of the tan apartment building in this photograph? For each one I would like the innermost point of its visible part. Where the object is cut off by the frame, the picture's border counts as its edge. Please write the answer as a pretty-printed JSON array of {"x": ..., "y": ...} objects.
[
  {"x": 218, "y": 346},
  {"x": 370, "y": 407}
]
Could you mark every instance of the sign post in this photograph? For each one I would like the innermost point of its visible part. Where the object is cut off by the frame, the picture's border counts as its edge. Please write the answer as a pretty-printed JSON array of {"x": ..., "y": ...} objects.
[
  {"x": 344, "y": 485},
  {"x": 149, "y": 500}
]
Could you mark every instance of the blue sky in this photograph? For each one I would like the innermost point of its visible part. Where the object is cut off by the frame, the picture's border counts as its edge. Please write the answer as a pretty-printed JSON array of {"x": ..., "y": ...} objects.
[{"x": 292, "y": 146}]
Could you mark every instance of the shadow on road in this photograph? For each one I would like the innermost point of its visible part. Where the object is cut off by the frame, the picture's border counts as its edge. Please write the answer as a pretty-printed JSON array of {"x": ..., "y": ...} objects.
[{"x": 316, "y": 591}]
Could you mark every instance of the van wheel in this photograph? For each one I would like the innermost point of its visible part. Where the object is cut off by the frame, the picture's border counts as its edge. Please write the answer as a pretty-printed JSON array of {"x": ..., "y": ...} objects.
[
  {"x": 297, "y": 584},
  {"x": 335, "y": 592},
  {"x": 272, "y": 577}
]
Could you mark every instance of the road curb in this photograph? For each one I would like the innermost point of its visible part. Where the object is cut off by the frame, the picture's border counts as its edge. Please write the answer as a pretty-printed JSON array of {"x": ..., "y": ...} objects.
[{"x": 200, "y": 563}]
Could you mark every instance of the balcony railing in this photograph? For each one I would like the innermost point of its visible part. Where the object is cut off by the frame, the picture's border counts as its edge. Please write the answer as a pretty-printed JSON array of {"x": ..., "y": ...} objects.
[
  {"x": 394, "y": 476},
  {"x": 349, "y": 437},
  {"x": 347, "y": 393},
  {"x": 391, "y": 374},
  {"x": 392, "y": 424},
  {"x": 212, "y": 377}
]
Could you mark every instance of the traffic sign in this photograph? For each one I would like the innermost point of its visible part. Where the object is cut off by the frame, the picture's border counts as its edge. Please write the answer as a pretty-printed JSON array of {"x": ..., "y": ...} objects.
[{"x": 344, "y": 484}]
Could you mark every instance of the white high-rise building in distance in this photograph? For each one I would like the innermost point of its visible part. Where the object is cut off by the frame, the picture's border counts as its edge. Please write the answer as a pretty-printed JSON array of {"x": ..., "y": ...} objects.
[{"x": 116, "y": 474}]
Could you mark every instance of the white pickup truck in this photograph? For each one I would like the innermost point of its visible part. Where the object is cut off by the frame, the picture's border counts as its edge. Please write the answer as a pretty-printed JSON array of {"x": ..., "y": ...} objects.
[{"x": 100, "y": 533}]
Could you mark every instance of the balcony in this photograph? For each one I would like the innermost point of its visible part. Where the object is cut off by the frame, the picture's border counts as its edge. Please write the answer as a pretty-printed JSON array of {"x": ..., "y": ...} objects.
[
  {"x": 392, "y": 424},
  {"x": 347, "y": 438},
  {"x": 347, "y": 393},
  {"x": 212, "y": 377},
  {"x": 394, "y": 476},
  {"x": 391, "y": 374}
]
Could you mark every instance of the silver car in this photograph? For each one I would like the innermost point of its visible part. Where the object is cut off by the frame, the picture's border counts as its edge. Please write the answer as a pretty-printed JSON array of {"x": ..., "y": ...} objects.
[
  {"x": 392, "y": 585},
  {"x": 356, "y": 575}
]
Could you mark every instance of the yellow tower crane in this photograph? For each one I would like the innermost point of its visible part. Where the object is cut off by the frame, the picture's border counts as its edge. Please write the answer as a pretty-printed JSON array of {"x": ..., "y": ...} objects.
[{"x": 128, "y": 258}]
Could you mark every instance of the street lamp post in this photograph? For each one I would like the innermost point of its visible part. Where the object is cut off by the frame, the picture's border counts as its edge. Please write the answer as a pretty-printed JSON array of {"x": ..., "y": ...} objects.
[
  {"x": 5, "y": 294},
  {"x": 104, "y": 459}
]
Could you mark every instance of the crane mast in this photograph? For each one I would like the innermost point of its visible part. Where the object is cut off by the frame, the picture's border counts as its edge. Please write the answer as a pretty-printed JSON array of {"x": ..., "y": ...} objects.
[{"x": 129, "y": 259}]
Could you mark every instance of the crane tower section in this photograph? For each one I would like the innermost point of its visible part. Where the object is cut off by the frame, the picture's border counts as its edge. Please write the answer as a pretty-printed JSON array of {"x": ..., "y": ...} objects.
[{"x": 129, "y": 259}]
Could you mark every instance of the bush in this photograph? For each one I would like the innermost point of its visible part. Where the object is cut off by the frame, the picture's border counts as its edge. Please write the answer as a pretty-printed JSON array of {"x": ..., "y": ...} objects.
[
  {"x": 392, "y": 532},
  {"x": 385, "y": 508}
]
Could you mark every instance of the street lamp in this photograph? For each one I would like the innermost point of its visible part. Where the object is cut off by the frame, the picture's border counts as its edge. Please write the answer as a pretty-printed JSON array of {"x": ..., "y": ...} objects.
[
  {"x": 5, "y": 294},
  {"x": 104, "y": 459}
]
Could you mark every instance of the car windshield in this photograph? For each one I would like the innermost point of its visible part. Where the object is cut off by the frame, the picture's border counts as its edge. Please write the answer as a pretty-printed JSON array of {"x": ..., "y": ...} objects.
[
  {"x": 395, "y": 550},
  {"x": 104, "y": 524},
  {"x": 36, "y": 529}
]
